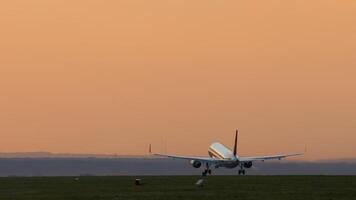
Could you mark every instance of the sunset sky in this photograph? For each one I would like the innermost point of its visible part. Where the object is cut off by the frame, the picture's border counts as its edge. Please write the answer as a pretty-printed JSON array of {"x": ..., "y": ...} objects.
[{"x": 90, "y": 76}]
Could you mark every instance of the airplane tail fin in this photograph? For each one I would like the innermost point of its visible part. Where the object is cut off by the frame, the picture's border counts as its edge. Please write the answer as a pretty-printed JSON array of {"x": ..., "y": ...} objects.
[{"x": 236, "y": 140}]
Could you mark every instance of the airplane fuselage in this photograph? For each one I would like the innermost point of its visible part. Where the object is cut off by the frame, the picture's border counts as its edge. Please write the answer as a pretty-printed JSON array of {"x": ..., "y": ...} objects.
[{"x": 220, "y": 152}]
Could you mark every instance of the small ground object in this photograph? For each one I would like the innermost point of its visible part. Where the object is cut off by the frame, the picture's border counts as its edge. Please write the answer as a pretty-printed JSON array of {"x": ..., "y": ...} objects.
[
  {"x": 200, "y": 183},
  {"x": 138, "y": 181},
  {"x": 76, "y": 179}
]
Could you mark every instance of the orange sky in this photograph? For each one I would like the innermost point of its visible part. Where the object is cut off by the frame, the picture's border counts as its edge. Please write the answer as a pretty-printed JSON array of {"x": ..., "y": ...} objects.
[{"x": 113, "y": 76}]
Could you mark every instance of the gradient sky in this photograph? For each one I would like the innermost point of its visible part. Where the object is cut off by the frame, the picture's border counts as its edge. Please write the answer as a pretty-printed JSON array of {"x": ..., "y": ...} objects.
[{"x": 86, "y": 76}]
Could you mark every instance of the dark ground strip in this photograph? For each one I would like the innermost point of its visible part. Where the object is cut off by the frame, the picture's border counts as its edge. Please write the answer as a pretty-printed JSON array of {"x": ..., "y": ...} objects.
[{"x": 179, "y": 187}]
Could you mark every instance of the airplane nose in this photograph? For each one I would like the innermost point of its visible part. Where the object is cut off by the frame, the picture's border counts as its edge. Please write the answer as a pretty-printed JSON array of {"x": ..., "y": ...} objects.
[{"x": 236, "y": 159}]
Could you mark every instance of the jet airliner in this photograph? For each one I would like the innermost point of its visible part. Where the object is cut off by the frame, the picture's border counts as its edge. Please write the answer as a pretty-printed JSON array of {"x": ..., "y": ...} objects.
[{"x": 222, "y": 156}]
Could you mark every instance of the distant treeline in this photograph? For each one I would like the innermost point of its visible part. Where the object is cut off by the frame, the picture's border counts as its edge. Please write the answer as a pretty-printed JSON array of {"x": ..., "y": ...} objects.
[{"x": 153, "y": 166}]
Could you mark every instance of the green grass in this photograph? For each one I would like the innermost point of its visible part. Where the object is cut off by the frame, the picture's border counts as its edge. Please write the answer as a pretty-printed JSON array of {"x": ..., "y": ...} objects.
[{"x": 179, "y": 187}]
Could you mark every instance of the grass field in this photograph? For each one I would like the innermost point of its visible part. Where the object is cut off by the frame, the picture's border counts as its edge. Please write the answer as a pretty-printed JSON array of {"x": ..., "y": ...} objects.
[{"x": 179, "y": 187}]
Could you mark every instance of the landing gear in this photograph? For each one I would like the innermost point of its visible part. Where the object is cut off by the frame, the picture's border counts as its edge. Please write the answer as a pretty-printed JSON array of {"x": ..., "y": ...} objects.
[
  {"x": 206, "y": 171},
  {"x": 242, "y": 172}
]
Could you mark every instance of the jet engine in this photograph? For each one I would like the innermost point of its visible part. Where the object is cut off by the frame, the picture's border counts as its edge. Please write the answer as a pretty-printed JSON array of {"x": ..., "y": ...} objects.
[
  {"x": 196, "y": 164},
  {"x": 248, "y": 164}
]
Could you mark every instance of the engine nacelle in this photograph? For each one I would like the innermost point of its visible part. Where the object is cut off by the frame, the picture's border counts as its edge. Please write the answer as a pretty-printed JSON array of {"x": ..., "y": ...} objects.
[
  {"x": 196, "y": 164},
  {"x": 248, "y": 164}
]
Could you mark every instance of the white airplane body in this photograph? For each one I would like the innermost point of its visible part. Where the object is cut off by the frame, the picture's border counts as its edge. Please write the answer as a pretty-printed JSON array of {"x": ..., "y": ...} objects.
[{"x": 222, "y": 156}]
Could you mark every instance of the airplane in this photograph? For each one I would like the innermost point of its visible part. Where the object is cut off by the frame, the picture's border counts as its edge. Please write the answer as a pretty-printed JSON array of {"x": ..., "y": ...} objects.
[{"x": 222, "y": 156}]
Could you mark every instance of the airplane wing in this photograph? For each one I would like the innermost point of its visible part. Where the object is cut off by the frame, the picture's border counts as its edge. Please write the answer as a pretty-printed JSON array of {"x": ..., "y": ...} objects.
[
  {"x": 263, "y": 158},
  {"x": 202, "y": 159}
]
